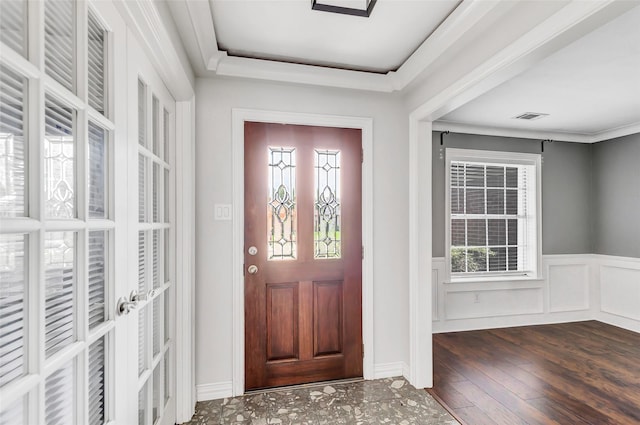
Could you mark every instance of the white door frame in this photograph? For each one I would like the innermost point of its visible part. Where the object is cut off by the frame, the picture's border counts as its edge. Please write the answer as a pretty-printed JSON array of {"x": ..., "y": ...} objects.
[{"x": 239, "y": 116}]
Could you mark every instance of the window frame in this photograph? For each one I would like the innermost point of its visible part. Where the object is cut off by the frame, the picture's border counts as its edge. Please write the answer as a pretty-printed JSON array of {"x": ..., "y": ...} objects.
[{"x": 490, "y": 157}]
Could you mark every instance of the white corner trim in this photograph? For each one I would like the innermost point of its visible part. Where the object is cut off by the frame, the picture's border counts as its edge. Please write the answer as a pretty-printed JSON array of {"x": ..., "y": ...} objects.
[
  {"x": 214, "y": 391},
  {"x": 239, "y": 116},
  {"x": 458, "y": 127},
  {"x": 185, "y": 260},
  {"x": 420, "y": 268},
  {"x": 199, "y": 13},
  {"x": 389, "y": 370}
]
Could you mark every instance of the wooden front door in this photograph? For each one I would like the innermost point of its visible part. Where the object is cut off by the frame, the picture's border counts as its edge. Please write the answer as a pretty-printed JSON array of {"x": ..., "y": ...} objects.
[{"x": 303, "y": 254}]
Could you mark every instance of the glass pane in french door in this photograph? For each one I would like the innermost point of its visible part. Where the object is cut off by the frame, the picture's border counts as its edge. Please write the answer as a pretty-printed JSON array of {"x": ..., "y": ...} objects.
[
  {"x": 57, "y": 221},
  {"x": 153, "y": 247}
]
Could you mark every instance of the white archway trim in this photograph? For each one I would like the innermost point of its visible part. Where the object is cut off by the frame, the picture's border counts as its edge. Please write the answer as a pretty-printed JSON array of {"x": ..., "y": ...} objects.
[{"x": 239, "y": 116}]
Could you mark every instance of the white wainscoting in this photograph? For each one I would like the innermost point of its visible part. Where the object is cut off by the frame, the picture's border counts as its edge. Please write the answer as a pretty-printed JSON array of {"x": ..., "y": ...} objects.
[
  {"x": 562, "y": 295},
  {"x": 619, "y": 291}
]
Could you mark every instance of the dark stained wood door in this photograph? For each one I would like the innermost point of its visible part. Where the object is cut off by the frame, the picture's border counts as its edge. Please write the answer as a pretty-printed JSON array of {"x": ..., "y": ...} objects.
[{"x": 303, "y": 254}]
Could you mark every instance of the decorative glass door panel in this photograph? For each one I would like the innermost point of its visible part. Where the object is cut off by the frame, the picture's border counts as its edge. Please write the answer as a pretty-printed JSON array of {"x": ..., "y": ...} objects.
[{"x": 61, "y": 247}]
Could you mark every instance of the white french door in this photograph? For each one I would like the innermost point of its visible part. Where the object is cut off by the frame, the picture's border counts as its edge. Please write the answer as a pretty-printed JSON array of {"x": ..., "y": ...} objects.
[
  {"x": 72, "y": 242},
  {"x": 151, "y": 238}
]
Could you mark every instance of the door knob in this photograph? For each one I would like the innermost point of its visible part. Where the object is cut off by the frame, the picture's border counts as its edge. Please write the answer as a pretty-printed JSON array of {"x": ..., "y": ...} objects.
[
  {"x": 252, "y": 269},
  {"x": 252, "y": 250},
  {"x": 124, "y": 306}
]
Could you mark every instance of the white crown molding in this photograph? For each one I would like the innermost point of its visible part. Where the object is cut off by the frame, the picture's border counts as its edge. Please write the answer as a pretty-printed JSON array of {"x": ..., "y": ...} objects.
[
  {"x": 143, "y": 17},
  {"x": 302, "y": 74},
  {"x": 459, "y": 22},
  {"x": 457, "y": 127}
]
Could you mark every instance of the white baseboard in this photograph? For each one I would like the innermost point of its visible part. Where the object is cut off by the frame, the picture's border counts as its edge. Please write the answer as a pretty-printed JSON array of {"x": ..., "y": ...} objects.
[
  {"x": 214, "y": 391},
  {"x": 389, "y": 370}
]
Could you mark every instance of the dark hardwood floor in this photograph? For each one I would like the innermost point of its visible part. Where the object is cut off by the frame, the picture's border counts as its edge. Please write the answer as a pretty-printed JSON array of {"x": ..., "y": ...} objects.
[{"x": 573, "y": 373}]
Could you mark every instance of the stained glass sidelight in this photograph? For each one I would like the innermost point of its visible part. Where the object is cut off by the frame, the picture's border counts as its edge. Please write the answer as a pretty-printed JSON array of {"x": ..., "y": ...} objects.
[
  {"x": 281, "y": 206},
  {"x": 326, "y": 220}
]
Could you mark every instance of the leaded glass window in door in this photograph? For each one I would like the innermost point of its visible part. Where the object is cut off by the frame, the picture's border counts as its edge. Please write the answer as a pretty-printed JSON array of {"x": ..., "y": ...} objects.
[{"x": 281, "y": 205}]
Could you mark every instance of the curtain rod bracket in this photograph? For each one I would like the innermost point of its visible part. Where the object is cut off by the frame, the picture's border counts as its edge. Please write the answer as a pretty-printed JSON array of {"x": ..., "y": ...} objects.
[{"x": 442, "y": 137}]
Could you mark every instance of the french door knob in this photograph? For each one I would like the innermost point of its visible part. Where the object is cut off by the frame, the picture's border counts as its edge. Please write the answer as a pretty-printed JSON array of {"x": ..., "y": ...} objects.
[
  {"x": 252, "y": 269},
  {"x": 252, "y": 250},
  {"x": 124, "y": 306}
]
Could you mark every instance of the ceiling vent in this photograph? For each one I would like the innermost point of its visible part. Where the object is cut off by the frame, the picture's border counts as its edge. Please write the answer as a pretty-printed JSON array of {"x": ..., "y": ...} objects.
[{"x": 530, "y": 116}]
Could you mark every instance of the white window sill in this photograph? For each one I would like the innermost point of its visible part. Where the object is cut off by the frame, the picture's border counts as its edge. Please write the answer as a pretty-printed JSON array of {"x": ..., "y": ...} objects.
[{"x": 487, "y": 279}]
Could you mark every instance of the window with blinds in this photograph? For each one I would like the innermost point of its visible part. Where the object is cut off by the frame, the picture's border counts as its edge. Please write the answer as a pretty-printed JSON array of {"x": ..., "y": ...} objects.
[
  {"x": 59, "y": 42},
  {"x": 13, "y": 17},
  {"x": 13, "y": 276},
  {"x": 493, "y": 213},
  {"x": 13, "y": 89}
]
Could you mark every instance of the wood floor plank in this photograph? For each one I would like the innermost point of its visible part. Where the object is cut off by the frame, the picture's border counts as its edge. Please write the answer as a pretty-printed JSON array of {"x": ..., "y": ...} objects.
[{"x": 576, "y": 373}]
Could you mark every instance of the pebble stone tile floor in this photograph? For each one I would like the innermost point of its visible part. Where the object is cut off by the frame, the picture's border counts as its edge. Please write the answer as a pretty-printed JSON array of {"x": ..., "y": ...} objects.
[{"x": 383, "y": 401}]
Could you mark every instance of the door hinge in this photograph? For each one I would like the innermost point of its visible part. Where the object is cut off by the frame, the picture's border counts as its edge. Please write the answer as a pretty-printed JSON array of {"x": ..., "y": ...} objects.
[
  {"x": 362, "y": 155},
  {"x": 363, "y": 351},
  {"x": 363, "y": 252},
  {"x": 243, "y": 269}
]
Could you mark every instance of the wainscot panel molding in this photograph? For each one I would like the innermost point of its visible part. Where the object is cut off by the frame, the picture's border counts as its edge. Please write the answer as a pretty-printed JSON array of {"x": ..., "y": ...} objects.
[
  {"x": 563, "y": 294},
  {"x": 214, "y": 391},
  {"x": 619, "y": 291},
  {"x": 574, "y": 288}
]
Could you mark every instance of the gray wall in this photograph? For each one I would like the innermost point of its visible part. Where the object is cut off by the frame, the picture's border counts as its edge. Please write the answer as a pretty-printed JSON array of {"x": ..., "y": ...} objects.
[
  {"x": 616, "y": 197},
  {"x": 566, "y": 197}
]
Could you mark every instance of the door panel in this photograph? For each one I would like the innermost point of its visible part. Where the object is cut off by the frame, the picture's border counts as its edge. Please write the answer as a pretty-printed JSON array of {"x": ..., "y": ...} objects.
[
  {"x": 63, "y": 256},
  {"x": 303, "y": 257},
  {"x": 151, "y": 213}
]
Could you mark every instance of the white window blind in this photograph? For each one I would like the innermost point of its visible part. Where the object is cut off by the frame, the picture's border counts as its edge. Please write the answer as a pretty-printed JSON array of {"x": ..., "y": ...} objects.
[
  {"x": 14, "y": 414},
  {"x": 96, "y": 64},
  {"x": 97, "y": 277},
  {"x": 97, "y": 378},
  {"x": 12, "y": 144},
  {"x": 12, "y": 307},
  {"x": 59, "y": 41},
  {"x": 59, "y": 394},
  {"x": 492, "y": 221},
  {"x": 60, "y": 279},
  {"x": 13, "y": 17}
]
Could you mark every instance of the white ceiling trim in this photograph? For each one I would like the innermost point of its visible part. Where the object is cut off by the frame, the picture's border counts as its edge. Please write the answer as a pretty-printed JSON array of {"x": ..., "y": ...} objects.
[
  {"x": 459, "y": 22},
  {"x": 519, "y": 55},
  {"x": 455, "y": 127},
  {"x": 304, "y": 74}
]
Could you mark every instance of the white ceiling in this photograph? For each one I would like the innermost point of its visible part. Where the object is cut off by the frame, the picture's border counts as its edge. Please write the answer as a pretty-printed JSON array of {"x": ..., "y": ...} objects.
[
  {"x": 577, "y": 61},
  {"x": 289, "y": 30},
  {"x": 590, "y": 87}
]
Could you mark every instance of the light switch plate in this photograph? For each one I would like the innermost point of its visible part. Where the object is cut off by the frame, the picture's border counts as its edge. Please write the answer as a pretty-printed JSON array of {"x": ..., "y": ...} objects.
[{"x": 222, "y": 212}]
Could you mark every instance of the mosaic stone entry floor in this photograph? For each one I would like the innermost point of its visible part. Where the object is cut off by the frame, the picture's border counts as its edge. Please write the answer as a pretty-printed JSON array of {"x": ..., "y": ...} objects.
[{"x": 382, "y": 401}]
